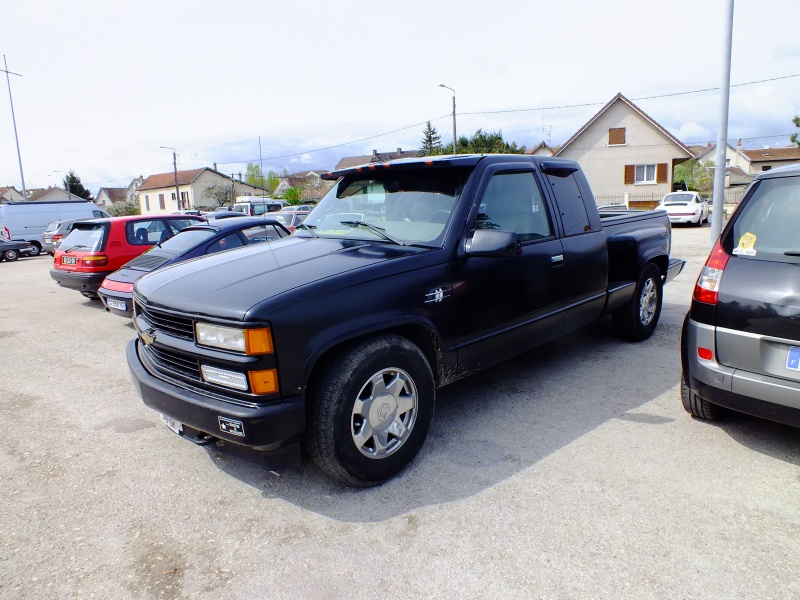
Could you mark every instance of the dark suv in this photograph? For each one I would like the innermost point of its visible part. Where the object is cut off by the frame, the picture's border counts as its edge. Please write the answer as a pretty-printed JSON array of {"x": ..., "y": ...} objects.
[{"x": 740, "y": 345}]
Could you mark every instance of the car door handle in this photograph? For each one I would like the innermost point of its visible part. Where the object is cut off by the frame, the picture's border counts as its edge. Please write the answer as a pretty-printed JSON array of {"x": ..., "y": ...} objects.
[{"x": 557, "y": 260}]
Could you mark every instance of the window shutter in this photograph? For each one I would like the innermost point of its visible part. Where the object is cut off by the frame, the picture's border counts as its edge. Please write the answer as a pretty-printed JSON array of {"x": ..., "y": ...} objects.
[
  {"x": 630, "y": 174},
  {"x": 661, "y": 173},
  {"x": 616, "y": 136}
]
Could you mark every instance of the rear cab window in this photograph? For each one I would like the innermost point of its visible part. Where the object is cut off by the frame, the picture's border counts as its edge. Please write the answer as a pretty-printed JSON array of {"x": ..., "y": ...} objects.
[{"x": 766, "y": 227}]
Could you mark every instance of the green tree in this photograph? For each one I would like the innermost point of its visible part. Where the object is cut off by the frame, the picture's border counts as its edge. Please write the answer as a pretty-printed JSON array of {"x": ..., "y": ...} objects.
[
  {"x": 431, "y": 140},
  {"x": 121, "y": 209},
  {"x": 254, "y": 176},
  {"x": 482, "y": 142},
  {"x": 694, "y": 176},
  {"x": 795, "y": 137},
  {"x": 273, "y": 181},
  {"x": 293, "y": 195},
  {"x": 72, "y": 183}
]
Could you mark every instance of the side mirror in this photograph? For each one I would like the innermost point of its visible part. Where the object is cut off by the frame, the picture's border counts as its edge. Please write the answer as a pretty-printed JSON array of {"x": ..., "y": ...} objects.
[{"x": 491, "y": 242}]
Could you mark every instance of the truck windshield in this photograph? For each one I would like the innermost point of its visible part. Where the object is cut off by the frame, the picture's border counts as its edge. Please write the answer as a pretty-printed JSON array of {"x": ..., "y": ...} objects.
[{"x": 411, "y": 207}]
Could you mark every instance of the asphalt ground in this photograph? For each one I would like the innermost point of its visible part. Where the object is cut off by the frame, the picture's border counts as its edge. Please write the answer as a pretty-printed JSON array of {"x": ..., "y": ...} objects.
[{"x": 570, "y": 472}]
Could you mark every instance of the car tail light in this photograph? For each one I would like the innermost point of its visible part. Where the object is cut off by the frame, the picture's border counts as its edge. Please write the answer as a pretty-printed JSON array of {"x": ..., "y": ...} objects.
[
  {"x": 97, "y": 260},
  {"x": 707, "y": 287},
  {"x": 117, "y": 286},
  {"x": 57, "y": 236}
]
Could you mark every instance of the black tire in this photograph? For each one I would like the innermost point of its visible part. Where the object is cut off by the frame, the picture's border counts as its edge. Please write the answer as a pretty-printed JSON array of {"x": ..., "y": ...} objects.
[
  {"x": 696, "y": 406},
  {"x": 35, "y": 249},
  {"x": 11, "y": 255},
  {"x": 637, "y": 320},
  {"x": 342, "y": 406}
]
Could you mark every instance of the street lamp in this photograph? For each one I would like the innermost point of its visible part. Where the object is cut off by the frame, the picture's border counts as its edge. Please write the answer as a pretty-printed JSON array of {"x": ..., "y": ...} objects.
[
  {"x": 455, "y": 139},
  {"x": 175, "y": 171},
  {"x": 66, "y": 182}
]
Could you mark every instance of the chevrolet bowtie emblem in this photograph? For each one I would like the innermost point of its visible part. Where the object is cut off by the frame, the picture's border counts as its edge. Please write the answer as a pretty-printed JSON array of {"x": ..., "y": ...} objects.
[{"x": 147, "y": 337}]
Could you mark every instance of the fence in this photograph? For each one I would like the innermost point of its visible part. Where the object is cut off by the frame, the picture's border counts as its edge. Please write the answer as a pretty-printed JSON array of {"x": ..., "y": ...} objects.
[{"x": 733, "y": 195}]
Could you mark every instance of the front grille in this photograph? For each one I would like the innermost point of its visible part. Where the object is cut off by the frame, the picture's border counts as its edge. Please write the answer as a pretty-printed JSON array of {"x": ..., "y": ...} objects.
[
  {"x": 173, "y": 364},
  {"x": 182, "y": 327}
]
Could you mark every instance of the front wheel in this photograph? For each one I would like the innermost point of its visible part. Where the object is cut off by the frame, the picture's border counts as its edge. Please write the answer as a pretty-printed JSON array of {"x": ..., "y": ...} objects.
[
  {"x": 11, "y": 255},
  {"x": 370, "y": 410},
  {"x": 637, "y": 320}
]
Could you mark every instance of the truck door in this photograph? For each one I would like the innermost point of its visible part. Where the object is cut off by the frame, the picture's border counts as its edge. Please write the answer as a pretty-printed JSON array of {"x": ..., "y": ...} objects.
[
  {"x": 585, "y": 248},
  {"x": 506, "y": 304}
]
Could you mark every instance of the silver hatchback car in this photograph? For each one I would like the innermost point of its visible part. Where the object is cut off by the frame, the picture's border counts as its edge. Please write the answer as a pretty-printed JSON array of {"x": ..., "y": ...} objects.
[
  {"x": 55, "y": 232},
  {"x": 740, "y": 345}
]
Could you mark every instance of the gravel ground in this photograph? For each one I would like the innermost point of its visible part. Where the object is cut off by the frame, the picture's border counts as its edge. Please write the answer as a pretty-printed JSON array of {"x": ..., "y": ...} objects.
[{"x": 570, "y": 472}]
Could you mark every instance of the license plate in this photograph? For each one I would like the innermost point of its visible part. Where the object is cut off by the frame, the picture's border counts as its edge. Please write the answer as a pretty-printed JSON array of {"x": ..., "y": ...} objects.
[
  {"x": 172, "y": 424},
  {"x": 69, "y": 260},
  {"x": 114, "y": 303},
  {"x": 793, "y": 359}
]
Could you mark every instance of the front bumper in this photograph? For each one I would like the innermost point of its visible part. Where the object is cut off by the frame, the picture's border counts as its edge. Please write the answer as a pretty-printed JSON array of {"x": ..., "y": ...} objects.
[
  {"x": 75, "y": 280},
  {"x": 755, "y": 394},
  {"x": 267, "y": 435}
]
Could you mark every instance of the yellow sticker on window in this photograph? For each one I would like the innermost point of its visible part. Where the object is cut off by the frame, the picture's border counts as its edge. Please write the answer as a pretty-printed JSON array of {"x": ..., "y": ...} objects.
[{"x": 746, "y": 245}]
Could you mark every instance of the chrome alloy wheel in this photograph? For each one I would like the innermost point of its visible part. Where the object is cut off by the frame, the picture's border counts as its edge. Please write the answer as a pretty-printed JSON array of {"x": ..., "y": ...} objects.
[
  {"x": 384, "y": 413},
  {"x": 648, "y": 302}
]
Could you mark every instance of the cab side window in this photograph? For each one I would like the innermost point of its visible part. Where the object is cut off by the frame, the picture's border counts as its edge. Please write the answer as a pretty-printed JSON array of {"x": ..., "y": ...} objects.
[
  {"x": 513, "y": 202},
  {"x": 570, "y": 203}
]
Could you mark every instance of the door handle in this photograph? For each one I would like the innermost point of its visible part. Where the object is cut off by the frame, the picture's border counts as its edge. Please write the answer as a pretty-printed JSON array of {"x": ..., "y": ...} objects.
[{"x": 557, "y": 260}]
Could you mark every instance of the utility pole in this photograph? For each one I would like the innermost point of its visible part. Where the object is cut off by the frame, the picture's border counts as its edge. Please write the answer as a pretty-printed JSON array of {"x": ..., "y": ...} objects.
[
  {"x": 722, "y": 132},
  {"x": 455, "y": 138},
  {"x": 178, "y": 202},
  {"x": 13, "y": 118}
]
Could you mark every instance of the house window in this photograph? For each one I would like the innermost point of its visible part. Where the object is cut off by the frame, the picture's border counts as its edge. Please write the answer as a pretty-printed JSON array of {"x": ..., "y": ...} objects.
[
  {"x": 616, "y": 136},
  {"x": 645, "y": 174},
  {"x": 146, "y": 202},
  {"x": 184, "y": 199},
  {"x": 174, "y": 200},
  {"x": 161, "y": 204},
  {"x": 727, "y": 162}
]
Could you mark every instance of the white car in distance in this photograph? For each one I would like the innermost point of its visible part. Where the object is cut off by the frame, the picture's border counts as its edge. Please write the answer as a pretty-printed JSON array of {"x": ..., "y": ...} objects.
[{"x": 685, "y": 207}]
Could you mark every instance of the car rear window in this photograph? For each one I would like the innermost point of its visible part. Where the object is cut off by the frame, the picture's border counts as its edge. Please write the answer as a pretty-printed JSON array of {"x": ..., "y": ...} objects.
[
  {"x": 186, "y": 239},
  {"x": 52, "y": 226},
  {"x": 86, "y": 237},
  {"x": 678, "y": 199},
  {"x": 766, "y": 226}
]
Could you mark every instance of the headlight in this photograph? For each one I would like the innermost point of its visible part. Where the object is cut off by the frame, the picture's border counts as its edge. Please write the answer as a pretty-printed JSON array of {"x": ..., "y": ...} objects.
[{"x": 246, "y": 341}]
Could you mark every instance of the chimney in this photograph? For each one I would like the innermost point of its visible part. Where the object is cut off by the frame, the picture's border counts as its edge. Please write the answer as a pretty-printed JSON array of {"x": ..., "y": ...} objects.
[
  {"x": 374, "y": 154},
  {"x": 399, "y": 150},
  {"x": 215, "y": 166},
  {"x": 739, "y": 145}
]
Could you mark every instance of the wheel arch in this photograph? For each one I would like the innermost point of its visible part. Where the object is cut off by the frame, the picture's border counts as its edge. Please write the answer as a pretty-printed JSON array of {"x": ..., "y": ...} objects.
[{"x": 420, "y": 333}]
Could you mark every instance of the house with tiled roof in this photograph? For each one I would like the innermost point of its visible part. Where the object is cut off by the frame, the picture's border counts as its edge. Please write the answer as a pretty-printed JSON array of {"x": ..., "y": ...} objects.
[
  {"x": 312, "y": 185},
  {"x": 107, "y": 196},
  {"x": 10, "y": 194},
  {"x": 354, "y": 161},
  {"x": 764, "y": 159},
  {"x": 51, "y": 194},
  {"x": 541, "y": 150},
  {"x": 157, "y": 193},
  {"x": 626, "y": 155}
]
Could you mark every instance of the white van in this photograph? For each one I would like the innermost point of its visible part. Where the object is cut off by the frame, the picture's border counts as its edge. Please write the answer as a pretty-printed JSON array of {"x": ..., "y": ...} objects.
[
  {"x": 28, "y": 220},
  {"x": 255, "y": 206}
]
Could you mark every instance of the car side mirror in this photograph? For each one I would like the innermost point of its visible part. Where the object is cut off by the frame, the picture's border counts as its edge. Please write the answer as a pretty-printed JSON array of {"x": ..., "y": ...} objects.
[{"x": 491, "y": 242}]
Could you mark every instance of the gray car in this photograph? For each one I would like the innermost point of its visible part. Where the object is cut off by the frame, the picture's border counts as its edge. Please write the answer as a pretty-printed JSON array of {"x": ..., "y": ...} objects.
[{"x": 740, "y": 345}]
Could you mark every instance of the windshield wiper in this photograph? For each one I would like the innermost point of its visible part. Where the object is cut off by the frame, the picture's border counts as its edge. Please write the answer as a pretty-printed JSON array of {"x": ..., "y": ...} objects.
[
  {"x": 792, "y": 253},
  {"x": 381, "y": 232},
  {"x": 309, "y": 228},
  {"x": 74, "y": 248}
]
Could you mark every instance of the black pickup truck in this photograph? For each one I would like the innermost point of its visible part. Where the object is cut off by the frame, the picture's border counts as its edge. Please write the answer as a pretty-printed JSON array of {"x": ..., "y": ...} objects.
[{"x": 407, "y": 276}]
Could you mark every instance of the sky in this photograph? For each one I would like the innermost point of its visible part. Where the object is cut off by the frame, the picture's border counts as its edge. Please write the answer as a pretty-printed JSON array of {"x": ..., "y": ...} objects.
[{"x": 100, "y": 86}]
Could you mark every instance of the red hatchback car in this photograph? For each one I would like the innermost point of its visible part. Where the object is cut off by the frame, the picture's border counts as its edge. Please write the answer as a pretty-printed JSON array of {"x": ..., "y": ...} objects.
[{"x": 96, "y": 248}]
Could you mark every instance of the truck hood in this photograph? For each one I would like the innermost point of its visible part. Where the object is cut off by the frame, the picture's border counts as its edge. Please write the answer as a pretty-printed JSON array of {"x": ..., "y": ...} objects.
[{"x": 229, "y": 284}]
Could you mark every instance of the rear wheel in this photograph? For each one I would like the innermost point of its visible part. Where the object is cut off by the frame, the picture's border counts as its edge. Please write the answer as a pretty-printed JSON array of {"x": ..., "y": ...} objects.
[
  {"x": 370, "y": 411},
  {"x": 11, "y": 255},
  {"x": 696, "y": 406},
  {"x": 35, "y": 249},
  {"x": 637, "y": 320}
]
